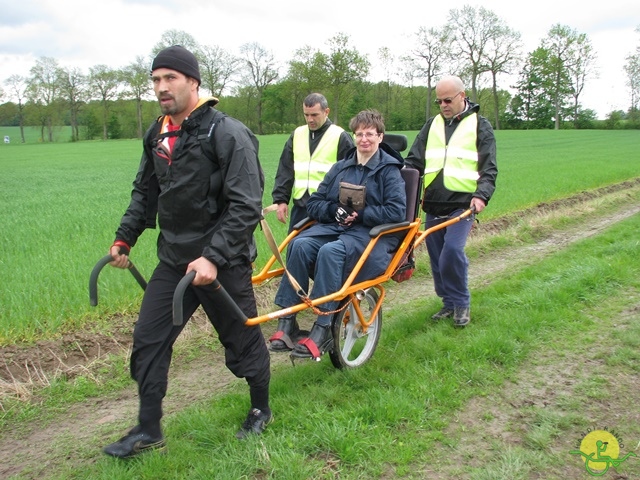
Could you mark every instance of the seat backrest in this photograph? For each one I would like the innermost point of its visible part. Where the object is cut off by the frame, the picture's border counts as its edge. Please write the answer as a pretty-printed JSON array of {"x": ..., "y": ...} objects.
[
  {"x": 411, "y": 178},
  {"x": 397, "y": 141}
]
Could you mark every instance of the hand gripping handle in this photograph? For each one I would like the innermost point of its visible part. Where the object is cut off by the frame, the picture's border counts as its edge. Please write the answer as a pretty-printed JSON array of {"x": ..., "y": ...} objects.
[
  {"x": 226, "y": 305},
  {"x": 93, "y": 279}
]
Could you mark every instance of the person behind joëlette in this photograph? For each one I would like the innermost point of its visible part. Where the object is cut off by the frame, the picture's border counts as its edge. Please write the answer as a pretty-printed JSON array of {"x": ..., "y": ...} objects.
[
  {"x": 306, "y": 157},
  {"x": 456, "y": 152}
]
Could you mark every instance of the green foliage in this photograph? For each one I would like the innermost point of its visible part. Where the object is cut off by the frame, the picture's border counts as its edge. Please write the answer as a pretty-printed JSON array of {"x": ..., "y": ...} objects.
[
  {"x": 114, "y": 129},
  {"x": 9, "y": 114},
  {"x": 552, "y": 78},
  {"x": 94, "y": 130},
  {"x": 531, "y": 107},
  {"x": 403, "y": 108},
  {"x": 586, "y": 119}
]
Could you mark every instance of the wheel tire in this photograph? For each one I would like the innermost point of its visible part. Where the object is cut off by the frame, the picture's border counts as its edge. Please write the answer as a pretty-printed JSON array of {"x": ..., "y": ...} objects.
[{"x": 352, "y": 348}]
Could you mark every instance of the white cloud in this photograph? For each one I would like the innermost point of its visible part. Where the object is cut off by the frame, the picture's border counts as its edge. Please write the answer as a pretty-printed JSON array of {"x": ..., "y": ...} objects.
[{"x": 85, "y": 33}]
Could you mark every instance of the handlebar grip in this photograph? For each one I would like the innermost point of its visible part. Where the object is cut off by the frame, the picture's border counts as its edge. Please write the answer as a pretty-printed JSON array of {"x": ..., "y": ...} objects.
[
  {"x": 93, "y": 278},
  {"x": 227, "y": 306},
  {"x": 178, "y": 296}
]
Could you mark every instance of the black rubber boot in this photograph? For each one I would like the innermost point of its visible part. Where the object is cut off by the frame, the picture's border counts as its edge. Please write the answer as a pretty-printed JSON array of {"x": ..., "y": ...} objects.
[
  {"x": 282, "y": 340},
  {"x": 319, "y": 341}
]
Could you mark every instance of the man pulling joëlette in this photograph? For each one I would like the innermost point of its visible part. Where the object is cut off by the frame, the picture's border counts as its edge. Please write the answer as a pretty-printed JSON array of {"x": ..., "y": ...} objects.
[{"x": 208, "y": 202}]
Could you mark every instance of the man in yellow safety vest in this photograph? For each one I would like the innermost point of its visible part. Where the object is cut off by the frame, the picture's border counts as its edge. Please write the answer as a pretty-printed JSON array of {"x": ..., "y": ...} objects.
[
  {"x": 456, "y": 151},
  {"x": 306, "y": 158}
]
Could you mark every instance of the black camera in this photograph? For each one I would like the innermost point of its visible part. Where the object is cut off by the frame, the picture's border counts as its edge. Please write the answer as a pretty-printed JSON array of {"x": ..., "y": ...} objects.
[{"x": 342, "y": 212}]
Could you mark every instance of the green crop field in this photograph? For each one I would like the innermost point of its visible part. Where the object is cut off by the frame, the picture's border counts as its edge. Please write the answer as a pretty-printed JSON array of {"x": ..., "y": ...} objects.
[
  {"x": 552, "y": 351},
  {"x": 33, "y": 135},
  {"x": 62, "y": 203}
]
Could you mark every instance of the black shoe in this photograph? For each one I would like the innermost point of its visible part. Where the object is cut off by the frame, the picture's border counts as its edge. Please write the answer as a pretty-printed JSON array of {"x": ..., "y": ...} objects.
[
  {"x": 286, "y": 332},
  {"x": 255, "y": 423},
  {"x": 134, "y": 443},
  {"x": 461, "y": 316},
  {"x": 444, "y": 312},
  {"x": 318, "y": 342}
]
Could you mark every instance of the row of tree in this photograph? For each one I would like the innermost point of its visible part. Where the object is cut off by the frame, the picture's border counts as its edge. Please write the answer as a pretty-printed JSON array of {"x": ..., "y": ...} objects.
[{"x": 482, "y": 49}]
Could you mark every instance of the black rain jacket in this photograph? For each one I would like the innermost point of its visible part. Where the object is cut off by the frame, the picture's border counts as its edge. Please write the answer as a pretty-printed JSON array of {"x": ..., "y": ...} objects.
[{"x": 206, "y": 207}]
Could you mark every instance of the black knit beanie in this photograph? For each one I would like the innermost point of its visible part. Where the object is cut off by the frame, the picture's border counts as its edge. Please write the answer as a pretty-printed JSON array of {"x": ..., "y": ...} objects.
[{"x": 180, "y": 59}]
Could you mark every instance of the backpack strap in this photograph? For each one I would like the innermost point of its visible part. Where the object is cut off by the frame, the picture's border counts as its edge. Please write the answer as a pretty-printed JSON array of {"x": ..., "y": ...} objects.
[
  {"x": 153, "y": 191},
  {"x": 205, "y": 132}
]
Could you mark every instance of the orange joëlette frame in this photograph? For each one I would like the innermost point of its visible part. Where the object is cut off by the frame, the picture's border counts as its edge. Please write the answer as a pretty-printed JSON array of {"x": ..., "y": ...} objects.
[{"x": 413, "y": 236}]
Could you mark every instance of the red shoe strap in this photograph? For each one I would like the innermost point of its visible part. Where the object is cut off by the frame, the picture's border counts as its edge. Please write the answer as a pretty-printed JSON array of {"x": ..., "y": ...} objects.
[{"x": 311, "y": 345}]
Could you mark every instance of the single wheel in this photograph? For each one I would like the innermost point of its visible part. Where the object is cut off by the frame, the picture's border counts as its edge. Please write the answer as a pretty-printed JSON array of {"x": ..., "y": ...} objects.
[{"x": 351, "y": 346}]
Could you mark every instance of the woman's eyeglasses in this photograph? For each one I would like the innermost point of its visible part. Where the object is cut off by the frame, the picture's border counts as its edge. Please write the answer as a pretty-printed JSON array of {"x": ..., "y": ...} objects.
[
  {"x": 447, "y": 101},
  {"x": 367, "y": 135}
]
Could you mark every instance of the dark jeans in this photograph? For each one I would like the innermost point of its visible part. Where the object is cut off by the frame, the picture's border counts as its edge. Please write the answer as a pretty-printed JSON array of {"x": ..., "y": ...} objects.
[
  {"x": 319, "y": 257},
  {"x": 246, "y": 354},
  {"x": 449, "y": 263}
]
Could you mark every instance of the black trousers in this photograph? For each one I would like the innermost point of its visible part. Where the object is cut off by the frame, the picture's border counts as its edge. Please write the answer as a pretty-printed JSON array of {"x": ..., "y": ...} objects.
[{"x": 246, "y": 354}]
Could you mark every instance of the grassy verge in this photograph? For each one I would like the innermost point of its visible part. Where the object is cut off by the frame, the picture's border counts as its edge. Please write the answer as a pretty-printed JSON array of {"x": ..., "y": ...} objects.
[
  {"x": 49, "y": 396},
  {"x": 385, "y": 419}
]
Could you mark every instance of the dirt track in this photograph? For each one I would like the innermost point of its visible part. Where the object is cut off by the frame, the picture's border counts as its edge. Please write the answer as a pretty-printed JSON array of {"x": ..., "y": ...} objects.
[{"x": 99, "y": 420}]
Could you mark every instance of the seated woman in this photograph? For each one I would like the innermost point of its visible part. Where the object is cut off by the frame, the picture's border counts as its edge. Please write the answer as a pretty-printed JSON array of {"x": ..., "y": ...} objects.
[{"x": 364, "y": 190}]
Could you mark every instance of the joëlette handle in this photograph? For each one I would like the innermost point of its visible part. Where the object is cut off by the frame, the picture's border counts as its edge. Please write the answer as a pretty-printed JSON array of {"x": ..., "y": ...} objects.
[
  {"x": 226, "y": 305},
  {"x": 93, "y": 279}
]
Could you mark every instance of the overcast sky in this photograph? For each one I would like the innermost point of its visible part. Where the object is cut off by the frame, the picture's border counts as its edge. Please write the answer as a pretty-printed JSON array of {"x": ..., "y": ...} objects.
[{"x": 85, "y": 33}]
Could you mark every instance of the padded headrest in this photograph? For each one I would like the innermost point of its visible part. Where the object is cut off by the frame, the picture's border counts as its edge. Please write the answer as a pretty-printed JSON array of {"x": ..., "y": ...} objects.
[{"x": 396, "y": 141}]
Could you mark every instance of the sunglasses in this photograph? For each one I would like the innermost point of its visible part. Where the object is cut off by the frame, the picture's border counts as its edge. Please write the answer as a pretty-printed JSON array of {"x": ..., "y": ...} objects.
[{"x": 447, "y": 101}]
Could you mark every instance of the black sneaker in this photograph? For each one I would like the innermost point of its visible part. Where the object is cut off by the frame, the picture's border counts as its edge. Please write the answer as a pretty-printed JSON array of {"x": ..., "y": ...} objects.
[
  {"x": 134, "y": 443},
  {"x": 445, "y": 312},
  {"x": 461, "y": 316},
  {"x": 255, "y": 423}
]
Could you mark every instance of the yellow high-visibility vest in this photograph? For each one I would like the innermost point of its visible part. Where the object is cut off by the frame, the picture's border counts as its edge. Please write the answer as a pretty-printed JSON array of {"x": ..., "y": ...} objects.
[
  {"x": 458, "y": 159},
  {"x": 311, "y": 169}
]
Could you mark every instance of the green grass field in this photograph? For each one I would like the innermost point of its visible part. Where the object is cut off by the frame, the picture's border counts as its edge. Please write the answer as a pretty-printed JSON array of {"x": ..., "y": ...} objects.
[
  {"x": 33, "y": 135},
  {"x": 568, "y": 321},
  {"x": 63, "y": 202},
  {"x": 392, "y": 417}
]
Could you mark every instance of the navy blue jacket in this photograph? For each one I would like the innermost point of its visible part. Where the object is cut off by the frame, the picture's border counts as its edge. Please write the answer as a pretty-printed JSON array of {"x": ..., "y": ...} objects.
[{"x": 385, "y": 202}]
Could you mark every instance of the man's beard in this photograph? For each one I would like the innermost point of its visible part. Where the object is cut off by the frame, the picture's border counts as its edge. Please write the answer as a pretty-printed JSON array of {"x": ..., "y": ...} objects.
[{"x": 168, "y": 109}]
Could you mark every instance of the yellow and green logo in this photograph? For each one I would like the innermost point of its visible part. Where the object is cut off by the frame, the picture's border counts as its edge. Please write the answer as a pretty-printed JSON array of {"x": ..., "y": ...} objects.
[{"x": 600, "y": 450}]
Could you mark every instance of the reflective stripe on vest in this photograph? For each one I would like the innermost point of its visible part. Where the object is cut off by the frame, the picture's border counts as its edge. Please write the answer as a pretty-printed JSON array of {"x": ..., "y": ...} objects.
[
  {"x": 458, "y": 158},
  {"x": 311, "y": 169}
]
